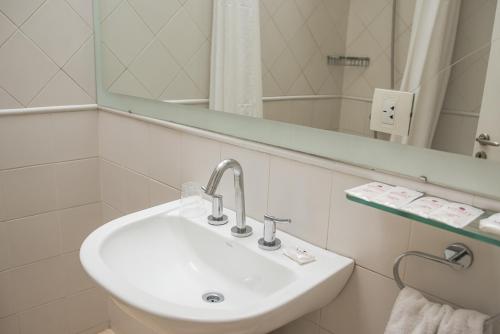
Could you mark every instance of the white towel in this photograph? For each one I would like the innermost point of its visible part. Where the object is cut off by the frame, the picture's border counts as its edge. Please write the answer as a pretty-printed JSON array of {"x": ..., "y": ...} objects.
[{"x": 414, "y": 314}]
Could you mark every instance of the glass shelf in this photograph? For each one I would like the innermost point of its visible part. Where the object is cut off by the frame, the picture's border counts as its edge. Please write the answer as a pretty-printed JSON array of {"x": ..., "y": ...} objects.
[{"x": 472, "y": 230}]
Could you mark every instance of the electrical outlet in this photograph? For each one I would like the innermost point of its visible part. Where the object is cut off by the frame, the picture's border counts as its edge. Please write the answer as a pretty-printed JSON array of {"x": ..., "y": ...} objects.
[{"x": 391, "y": 111}]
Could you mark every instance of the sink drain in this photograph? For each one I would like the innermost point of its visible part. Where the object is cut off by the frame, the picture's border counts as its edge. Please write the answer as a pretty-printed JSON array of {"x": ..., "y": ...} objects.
[{"x": 213, "y": 297}]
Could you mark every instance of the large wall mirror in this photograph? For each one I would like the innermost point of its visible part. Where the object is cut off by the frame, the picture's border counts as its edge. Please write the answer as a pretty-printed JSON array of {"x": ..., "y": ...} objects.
[{"x": 316, "y": 64}]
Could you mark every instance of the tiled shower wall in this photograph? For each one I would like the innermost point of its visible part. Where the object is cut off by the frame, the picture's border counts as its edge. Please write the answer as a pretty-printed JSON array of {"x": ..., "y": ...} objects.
[{"x": 143, "y": 164}]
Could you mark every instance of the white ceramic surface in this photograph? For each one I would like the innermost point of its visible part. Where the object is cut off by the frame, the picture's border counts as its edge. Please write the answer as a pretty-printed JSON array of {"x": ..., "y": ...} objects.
[{"x": 158, "y": 264}]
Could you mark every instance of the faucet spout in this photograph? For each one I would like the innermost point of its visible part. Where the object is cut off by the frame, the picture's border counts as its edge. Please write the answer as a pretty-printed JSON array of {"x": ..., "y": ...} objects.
[{"x": 241, "y": 229}]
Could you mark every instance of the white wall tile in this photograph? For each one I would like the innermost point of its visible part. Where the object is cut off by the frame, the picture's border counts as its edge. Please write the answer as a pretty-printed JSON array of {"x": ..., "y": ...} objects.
[
  {"x": 81, "y": 67},
  {"x": 4, "y": 247},
  {"x": 48, "y": 318},
  {"x": 363, "y": 307},
  {"x": 109, "y": 213},
  {"x": 111, "y": 185},
  {"x": 136, "y": 191},
  {"x": 6, "y": 28},
  {"x": 33, "y": 238},
  {"x": 25, "y": 140},
  {"x": 164, "y": 162},
  {"x": 75, "y": 135},
  {"x": 28, "y": 191},
  {"x": 300, "y": 326},
  {"x": 122, "y": 323},
  {"x": 61, "y": 90},
  {"x": 76, "y": 278},
  {"x": 124, "y": 141},
  {"x": 77, "y": 223},
  {"x": 256, "y": 177},
  {"x": 124, "y": 189},
  {"x": 300, "y": 192},
  {"x": 371, "y": 237},
  {"x": 7, "y": 101},
  {"x": 84, "y": 8},
  {"x": 124, "y": 21},
  {"x": 57, "y": 29},
  {"x": 199, "y": 157},
  {"x": 160, "y": 193},
  {"x": 85, "y": 310},
  {"x": 18, "y": 12},
  {"x": 20, "y": 55},
  {"x": 102, "y": 328},
  {"x": 6, "y": 297},
  {"x": 9, "y": 325},
  {"x": 36, "y": 284},
  {"x": 77, "y": 182}
]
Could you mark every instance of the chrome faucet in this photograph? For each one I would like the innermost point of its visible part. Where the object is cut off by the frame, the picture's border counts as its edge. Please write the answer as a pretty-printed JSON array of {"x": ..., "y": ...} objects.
[{"x": 241, "y": 229}]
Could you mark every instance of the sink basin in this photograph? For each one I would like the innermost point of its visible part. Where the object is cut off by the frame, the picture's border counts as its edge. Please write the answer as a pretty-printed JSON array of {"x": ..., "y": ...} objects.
[{"x": 158, "y": 266}]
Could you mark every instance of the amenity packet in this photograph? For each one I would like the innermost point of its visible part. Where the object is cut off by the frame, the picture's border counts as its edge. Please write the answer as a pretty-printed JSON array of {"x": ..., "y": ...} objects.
[
  {"x": 491, "y": 224},
  {"x": 424, "y": 206},
  {"x": 301, "y": 256},
  {"x": 456, "y": 214},
  {"x": 369, "y": 191},
  {"x": 398, "y": 197}
]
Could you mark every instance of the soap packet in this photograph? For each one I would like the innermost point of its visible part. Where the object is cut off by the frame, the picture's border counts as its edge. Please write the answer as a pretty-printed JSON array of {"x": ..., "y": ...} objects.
[
  {"x": 424, "y": 206},
  {"x": 369, "y": 191},
  {"x": 398, "y": 197},
  {"x": 301, "y": 256},
  {"x": 456, "y": 214},
  {"x": 491, "y": 224}
]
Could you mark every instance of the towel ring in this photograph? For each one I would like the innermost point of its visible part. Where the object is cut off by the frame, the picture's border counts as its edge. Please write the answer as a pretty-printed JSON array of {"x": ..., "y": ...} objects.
[{"x": 456, "y": 256}]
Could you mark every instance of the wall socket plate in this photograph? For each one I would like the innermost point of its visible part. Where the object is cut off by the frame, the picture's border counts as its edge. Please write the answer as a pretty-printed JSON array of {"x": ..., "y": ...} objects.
[{"x": 391, "y": 111}]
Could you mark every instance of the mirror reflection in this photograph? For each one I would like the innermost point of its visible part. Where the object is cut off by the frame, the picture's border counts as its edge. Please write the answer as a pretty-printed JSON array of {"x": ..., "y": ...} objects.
[{"x": 318, "y": 63}]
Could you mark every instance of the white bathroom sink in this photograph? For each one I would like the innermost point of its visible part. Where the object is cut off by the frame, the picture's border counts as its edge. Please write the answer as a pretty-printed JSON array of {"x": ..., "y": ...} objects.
[{"x": 157, "y": 265}]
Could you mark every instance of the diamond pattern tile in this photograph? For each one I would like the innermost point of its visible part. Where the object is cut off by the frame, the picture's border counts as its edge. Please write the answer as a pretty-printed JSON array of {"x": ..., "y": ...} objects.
[
  {"x": 174, "y": 47},
  {"x": 46, "y": 53},
  {"x": 295, "y": 31},
  {"x": 58, "y": 30},
  {"x": 182, "y": 37},
  {"x": 125, "y": 33},
  {"x": 24, "y": 68},
  {"x": 155, "y": 13},
  {"x": 6, "y": 28},
  {"x": 155, "y": 68},
  {"x": 18, "y": 11}
]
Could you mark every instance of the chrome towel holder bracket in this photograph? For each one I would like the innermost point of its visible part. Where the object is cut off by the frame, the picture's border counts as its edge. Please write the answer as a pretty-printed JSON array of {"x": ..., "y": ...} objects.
[{"x": 456, "y": 256}]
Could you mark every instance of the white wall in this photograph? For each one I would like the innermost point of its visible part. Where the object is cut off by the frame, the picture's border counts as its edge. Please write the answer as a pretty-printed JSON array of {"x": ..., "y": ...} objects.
[
  {"x": 49, "y": 202},
  {"x": 143, "y": 164},
  {"x": 49, "y": 169}
]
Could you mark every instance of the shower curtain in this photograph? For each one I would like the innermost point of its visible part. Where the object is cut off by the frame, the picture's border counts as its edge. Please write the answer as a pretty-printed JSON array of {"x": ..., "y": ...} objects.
[
  {"x": 427, "y": 68},
  {"x": 236, "y": 74}
]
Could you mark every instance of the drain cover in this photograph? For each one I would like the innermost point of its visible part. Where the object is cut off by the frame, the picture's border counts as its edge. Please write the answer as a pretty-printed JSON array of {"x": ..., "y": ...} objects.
[{"x": 213, "y": 297}]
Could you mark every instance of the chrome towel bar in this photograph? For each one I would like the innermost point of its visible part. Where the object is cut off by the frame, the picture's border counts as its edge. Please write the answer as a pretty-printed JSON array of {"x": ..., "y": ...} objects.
[{"x": 456, "y": 256}]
